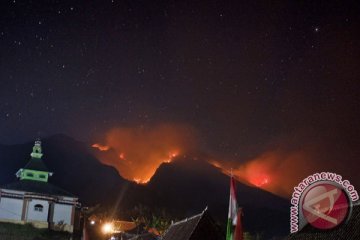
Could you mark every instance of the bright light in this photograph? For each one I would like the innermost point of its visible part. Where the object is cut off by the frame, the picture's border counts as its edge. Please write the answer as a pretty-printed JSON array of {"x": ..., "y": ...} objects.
[
  {"x": 260, "y": 181},
  {"x": 92, "y": 222},
  {"x": 100, "y": 147},
  {"x": 108, "y": 228}
]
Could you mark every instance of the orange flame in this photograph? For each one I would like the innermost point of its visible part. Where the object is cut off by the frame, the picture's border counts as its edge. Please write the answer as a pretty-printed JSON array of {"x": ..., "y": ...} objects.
[
  {"x": 100, "y": 147},
  {"x": 254, "y": 177},
  {"x": 122, "y": 156},
  {"x": 275, "y": 171},
  {"x": 139, "y": 152},
  {"x": 260, "y": 181}
]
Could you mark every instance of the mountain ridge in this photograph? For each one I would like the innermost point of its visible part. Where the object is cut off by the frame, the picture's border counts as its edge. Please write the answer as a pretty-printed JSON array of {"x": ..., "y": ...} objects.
[{"x": 183, "y": 187}]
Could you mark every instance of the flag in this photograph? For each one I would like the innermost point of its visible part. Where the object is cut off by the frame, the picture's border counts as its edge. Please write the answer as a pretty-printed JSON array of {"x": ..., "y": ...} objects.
[
  {"x": 238, "y": 229},
  {"x": 233, "y": 215}
]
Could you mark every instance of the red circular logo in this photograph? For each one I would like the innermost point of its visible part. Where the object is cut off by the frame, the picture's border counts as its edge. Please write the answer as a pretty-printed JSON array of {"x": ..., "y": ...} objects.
[{"x": 325, "y": 206}]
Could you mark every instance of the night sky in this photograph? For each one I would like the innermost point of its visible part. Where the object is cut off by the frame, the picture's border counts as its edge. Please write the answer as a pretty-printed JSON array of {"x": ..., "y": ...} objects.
[{"x": 249, "y": 76}]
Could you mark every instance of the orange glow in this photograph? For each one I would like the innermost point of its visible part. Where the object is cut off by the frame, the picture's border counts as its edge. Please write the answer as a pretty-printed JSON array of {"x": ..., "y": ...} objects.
[
  {"x": 275, "y": 171},
  {"x": 108, "y": 228},
  {"x": 259, "y": 181},
  {"x": 141, "y": 181},
  {"x": 172, "y": 155},
  {"x": 215, "y": 164},
  {"x": 138, "y": 152},
  {"x": 100, "y": 147},
  {"x": 122, "y": 155},
  {"x": 253, "y": 176}
]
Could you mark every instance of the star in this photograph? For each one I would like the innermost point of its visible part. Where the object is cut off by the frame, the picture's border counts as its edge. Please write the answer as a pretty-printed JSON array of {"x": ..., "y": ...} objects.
[{"x": 218, "y": 69}]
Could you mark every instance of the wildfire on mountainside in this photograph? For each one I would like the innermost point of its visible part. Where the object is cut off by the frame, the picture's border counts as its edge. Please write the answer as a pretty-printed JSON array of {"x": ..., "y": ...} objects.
[
  {"x": 274, "y": 171},
  {"x": 137, "y": 153}
]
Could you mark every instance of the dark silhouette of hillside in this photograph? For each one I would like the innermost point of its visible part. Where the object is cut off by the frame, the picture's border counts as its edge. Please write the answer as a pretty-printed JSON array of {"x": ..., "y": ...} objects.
[{"x": 182, "y": 188}]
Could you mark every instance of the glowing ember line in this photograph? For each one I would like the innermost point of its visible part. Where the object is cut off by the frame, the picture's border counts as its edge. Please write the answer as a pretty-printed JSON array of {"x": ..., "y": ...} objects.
[
  {"x": 250, "y": 177},
  {"x": 100, "y": 147},
  {"x": 141, "y": 181},
  {"x": 141, "y": 177}
]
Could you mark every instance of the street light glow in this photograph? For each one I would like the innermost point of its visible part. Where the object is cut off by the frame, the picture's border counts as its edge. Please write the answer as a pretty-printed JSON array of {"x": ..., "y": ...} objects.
[{"x": 108, "y": 228}]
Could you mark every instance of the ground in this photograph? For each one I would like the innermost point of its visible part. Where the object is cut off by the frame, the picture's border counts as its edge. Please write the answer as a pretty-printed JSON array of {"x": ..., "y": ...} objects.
[{"x": 9, "y": 231}]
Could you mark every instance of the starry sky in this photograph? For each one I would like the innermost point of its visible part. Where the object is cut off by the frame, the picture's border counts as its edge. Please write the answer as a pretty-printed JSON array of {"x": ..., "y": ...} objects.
[{"x": 249, "y": 76}]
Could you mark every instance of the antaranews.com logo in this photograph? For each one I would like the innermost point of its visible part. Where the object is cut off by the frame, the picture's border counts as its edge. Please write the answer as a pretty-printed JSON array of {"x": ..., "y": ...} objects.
[{"x": 323, "y": 200}]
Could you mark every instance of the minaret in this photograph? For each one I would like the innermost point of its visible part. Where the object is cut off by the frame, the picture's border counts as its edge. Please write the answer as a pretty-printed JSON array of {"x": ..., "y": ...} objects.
[
  {"x": 35, "y": 170},
  {"x": 37, "y": 152}
]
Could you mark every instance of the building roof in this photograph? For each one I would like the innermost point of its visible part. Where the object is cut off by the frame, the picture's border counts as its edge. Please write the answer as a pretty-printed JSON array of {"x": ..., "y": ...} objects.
[
  {"x": 36, "y": 164},
  {"x": 38, "y": 187},
  {"x": 197, "y": 227},
  {"x": 182, "y": 230},
  {"x": 346, "y": 231}
]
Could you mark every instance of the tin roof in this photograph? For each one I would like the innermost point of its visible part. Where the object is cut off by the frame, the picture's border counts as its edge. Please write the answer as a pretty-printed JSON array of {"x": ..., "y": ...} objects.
[{"x": 197, "y": 227}]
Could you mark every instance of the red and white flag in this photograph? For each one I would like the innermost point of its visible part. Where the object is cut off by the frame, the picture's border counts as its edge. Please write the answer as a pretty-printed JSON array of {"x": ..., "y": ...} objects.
[{"x": 234, "y": 225}]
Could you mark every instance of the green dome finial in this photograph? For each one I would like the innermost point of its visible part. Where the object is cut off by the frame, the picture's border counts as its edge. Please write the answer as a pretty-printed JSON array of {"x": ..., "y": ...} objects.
[{"x": 37, "y": 151}]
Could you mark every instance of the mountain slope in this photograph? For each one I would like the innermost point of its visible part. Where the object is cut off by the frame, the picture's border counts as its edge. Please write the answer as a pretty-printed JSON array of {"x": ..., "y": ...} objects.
[
  {"x": 182, "y": 188},
  {"x": 187, "y": 186}
]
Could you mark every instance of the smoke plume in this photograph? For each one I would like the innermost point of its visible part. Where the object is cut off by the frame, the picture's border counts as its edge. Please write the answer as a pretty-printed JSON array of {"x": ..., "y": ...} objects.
[
  {"x": 136, "y": 153},
  {"x": 282, "y": 166},
  {"x": 276, "y": 171}
]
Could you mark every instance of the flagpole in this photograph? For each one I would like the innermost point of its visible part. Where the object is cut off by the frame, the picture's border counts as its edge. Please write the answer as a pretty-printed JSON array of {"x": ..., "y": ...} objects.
[{"x": 232, "y": 214}]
